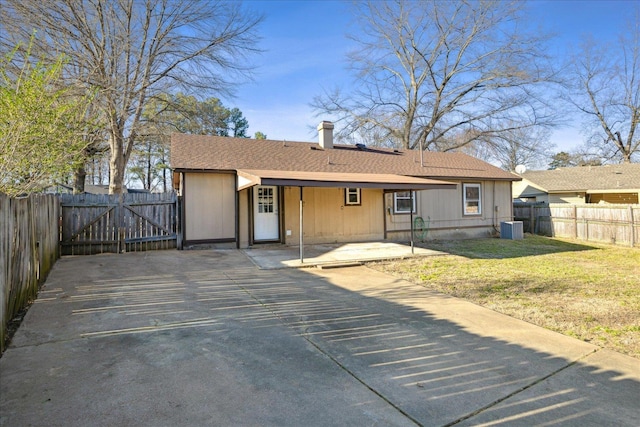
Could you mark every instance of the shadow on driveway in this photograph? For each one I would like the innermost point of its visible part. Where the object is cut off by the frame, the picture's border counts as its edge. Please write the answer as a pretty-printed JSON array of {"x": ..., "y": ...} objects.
[{"x": 206, "y": 338}]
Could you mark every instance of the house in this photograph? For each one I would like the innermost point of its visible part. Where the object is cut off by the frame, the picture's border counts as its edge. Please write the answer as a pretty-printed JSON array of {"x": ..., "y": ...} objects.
[
  {"x": 58, "y": 188},
  {"x": 579, "y": 185},
  {"x": 244, "y": 191}
]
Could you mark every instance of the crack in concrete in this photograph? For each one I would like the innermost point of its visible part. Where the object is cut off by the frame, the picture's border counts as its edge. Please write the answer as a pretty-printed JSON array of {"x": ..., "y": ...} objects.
[
  {"x": 306, "y": 336},
  {"x": 520, "y": 390}
]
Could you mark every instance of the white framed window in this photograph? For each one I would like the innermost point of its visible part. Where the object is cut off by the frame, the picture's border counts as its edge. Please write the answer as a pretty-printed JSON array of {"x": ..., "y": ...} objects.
[
  {"x": 352, "y": 196},
  {"x": 402, "y": 202},
  {"x": 472, "y": 199}
]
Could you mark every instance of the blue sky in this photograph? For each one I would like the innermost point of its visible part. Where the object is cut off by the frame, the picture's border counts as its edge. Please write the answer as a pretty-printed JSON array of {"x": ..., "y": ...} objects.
[{"x": 304, "y": 47}]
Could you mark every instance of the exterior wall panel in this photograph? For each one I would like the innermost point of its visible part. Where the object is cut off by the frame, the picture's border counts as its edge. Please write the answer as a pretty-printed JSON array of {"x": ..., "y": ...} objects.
[
  {"x": 572, "y": 198},
  {"x": 328, "y": 220},
  {"x": 442, "y": 212},
  {"x": 210, "y": 206},
  {"x": 243, "y": 218}
]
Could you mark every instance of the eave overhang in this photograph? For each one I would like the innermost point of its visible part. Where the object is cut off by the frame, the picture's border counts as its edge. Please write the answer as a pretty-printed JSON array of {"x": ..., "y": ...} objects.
[{"x": 249, "y": 178}]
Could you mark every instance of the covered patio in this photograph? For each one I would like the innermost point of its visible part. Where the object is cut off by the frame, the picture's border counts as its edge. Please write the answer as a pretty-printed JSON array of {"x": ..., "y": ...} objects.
[
  {"x": 272, "y": 257},
  {"x": 277, "y": 256}
]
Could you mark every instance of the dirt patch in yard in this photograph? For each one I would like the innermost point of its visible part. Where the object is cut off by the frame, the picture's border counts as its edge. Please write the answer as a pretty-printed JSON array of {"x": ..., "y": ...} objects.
[{"x": 587, "y": 291}]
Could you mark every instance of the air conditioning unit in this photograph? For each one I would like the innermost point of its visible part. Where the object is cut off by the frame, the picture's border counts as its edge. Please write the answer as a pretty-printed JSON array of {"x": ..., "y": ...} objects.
[{"x": 511, "y": 230}]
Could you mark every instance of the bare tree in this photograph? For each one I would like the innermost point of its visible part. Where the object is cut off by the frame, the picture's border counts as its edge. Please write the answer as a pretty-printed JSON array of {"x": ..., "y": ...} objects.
[
  {"x": 95, "y": 144},
  {"x": 607, "y": 91},
  {"x": 441, "y": 74},
  {"x": 126, "y": 51},
  {"x": 530, "y": 148}
]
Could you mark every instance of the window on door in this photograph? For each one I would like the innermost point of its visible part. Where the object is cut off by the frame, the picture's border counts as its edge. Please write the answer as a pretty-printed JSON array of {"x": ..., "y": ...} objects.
[{"x": 265, "y": 200}]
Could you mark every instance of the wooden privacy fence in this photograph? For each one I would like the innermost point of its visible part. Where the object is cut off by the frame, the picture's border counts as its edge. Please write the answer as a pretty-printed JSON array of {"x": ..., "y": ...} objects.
[
  {"x": 535, "y": 217},
  {"x": 607, "y": 223},
  {"x": 99, "y": 223},
  {"x": 28, "y": 250}
]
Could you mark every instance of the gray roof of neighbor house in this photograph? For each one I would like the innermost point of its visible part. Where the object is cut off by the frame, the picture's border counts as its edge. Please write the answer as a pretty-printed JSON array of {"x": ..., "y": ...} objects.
[
  {"x": 202, "y": 152},
  {"x": 624, "y": 176}
]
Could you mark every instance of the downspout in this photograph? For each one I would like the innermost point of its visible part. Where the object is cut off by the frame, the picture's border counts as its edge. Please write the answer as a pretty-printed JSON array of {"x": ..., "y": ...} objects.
[
  {"x": 511, "y": 204},
  {"x": 495, "y": 208}
]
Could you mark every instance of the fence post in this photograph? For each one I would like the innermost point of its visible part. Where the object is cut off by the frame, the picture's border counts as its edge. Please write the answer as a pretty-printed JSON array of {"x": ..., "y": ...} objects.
[
  {"x": 6, "y": 249},
  {"x": 122, "y": 246},
  {"x": 575, "y": 222},
  {"x": 586, "y": 229},
  {"x": 532, "y": 224}
]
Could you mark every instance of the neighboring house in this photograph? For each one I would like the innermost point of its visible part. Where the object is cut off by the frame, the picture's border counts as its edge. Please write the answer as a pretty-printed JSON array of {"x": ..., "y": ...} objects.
[
  {"x": 58, "y": 189},
  {"x": 98, "y": 189},
  {"x": 580, "y": 185},
  {"x": 246, "y": 191}
]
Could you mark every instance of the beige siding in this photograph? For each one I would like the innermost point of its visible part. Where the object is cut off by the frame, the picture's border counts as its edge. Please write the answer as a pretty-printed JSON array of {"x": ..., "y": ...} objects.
[
  {"x": 502, "y": 199},
  {"x": 327, "y": 219},
  {"x": 209, "y": 206},
  {"x": 243, "y": 217},
  {"x": 526, "y": 188},
  {"x": 442, "y": 211},
  {"x": 573, "y": 198}
]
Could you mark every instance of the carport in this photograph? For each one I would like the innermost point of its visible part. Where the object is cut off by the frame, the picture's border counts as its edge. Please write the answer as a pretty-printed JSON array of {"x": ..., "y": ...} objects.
[{"x": 301, "y": 179}]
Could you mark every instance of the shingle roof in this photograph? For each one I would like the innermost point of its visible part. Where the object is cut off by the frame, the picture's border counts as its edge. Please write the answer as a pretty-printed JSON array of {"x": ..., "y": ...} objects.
[
  {"x": 202, "y": 152},
  {"x": 624, "y": 176}
]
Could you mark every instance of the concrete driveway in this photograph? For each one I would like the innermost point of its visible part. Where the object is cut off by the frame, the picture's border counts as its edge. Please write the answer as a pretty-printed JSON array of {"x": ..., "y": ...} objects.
[{"x": 206, "y": 338}]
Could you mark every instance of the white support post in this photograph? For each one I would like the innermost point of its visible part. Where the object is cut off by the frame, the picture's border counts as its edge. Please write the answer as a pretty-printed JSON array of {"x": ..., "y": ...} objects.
[
  {"x": 301, "y": 230},
  {"x": 411, "y": 216}
]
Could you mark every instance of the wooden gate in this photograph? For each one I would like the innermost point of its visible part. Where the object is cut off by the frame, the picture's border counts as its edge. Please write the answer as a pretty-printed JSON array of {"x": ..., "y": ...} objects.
[{"x": 99, "y": 223}]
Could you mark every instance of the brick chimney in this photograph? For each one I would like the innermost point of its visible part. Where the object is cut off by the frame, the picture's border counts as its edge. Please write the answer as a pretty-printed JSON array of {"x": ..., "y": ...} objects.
[{"x": 325, "y": 134}]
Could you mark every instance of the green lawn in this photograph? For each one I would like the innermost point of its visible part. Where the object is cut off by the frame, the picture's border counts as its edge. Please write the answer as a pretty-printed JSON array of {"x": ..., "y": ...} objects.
[{"x": 585, "y": 290}]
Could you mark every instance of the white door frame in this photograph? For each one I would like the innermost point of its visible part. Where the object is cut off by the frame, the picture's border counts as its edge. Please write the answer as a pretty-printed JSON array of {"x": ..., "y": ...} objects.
[{"x": 266, "y": 213}]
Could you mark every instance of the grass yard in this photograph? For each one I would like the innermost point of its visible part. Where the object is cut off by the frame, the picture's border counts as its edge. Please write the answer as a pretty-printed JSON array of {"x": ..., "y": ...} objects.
[{"x": 585, "y": 290}]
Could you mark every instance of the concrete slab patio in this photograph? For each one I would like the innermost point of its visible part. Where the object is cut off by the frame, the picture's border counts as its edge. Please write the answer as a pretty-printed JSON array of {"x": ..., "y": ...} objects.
[
  {"x": 206, "y": 338},
  {"x": 276, "y": 256}
]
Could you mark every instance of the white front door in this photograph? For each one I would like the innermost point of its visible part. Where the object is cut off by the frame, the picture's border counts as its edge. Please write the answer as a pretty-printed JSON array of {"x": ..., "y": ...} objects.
[{"x": 265, "y": 213}]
